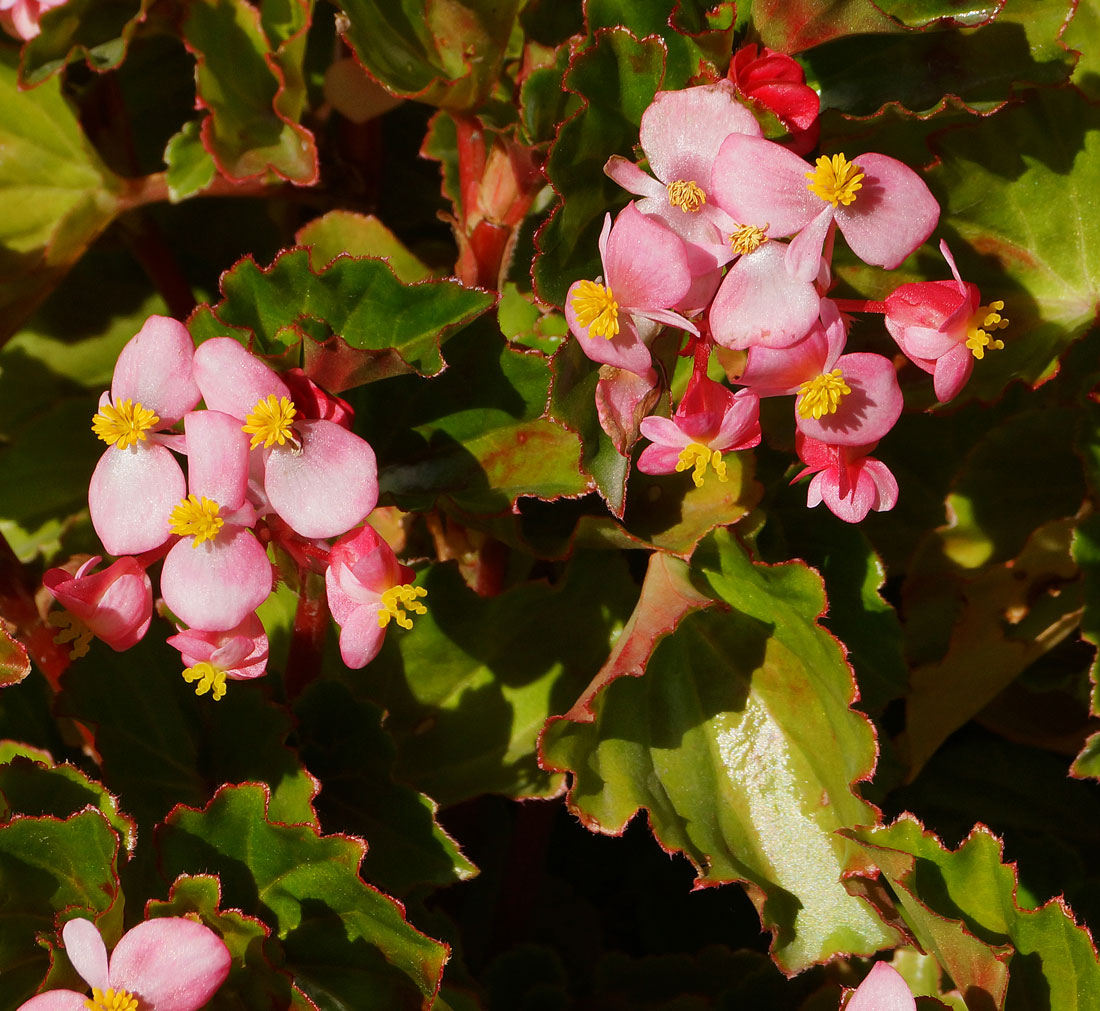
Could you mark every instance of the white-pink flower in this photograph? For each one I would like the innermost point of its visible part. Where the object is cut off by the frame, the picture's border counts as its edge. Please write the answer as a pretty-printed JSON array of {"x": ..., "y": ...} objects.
[
  {"x": 167, "y": 964},
  {"x": 238, "y": 654},
  {"x": 137, "y": 480},
  {"x": 20, "y": 18}
]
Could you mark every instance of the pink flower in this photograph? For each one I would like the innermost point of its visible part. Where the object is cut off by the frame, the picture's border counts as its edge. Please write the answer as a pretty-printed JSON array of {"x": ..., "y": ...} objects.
[
  {"x": 19, "y": 18},
  {"x": 210, "y": 657},
  {"x": 137, "y": 480},
  {"x": 114, "y": 605},
  {"x": 882, "y": 207},
  {"x": 680, "y": 135},
  {"x": 168, "y": 964},
  {"x": 778, "y": 82},
  {"x": 855, "y": 403},
  {"x": 883, "y": 989},
  {"x": 217, "y": 573},
  {"x": 772, "y": 372},
  {"x": 367, "y": 587},
  {"x": 317, "y": 476},
  {"x": 941, "y": 328},
  {"x": 645, "y": 272},
  {"x": 709, "y": 421},
  {"x": 846, "y": 479}
]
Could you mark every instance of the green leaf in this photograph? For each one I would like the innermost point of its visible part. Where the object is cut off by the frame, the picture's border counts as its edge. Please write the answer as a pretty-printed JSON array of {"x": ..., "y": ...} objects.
[
  {"x": 14, "y": 663},
  {"x": 918, "y": 13},
  {"x": 1086, "y": 553},
  {"x": 436, "y": 445},
  {"x": 447, "y": 54},
  {"x": 925, "y": 72},
  {"x": 239, "y": 80},
  {"x": 616, "y": 77},
  {"x": 97, "y": 31},
  {"x": 962, "y": 907},
  {"x": 253, "y": 979},
  {"x": 1013, "y": 211},
  {"x": 740, "y": 743},
  {"x": 791, "y": 26},
  {"x": 190, "y": 166},
  {"x": 358, "y": 235},
  {"x": 58, "y": 196},
  {"x": 31, "y": 784},
  {"x": 469, "y": 687},
  {"x": 355, "y": 320},
  {"x": 1079, "y": 36},
  {"x": 342, "y": 743},
  {"x": 346, "y": 944},
  {"x": 162, "y": 745},
  {"x": 48, "y": 866}
]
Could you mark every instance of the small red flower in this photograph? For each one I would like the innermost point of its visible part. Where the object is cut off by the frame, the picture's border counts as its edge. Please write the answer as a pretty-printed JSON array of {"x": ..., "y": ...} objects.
[{"x": 778, "y": 82}]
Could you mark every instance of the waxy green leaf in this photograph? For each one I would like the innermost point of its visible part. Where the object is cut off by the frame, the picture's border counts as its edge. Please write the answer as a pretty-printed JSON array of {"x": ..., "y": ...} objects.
[
  {"x": 355, "y": 320},
  {"x": 740, "y": 743},
  {"x": 345, "y": 943},
  {"x": 962, "y": 906},
  {"x": 469, "y": 687},
  {"x": 49, "y": 865},
  {"x": 97, "y": 31},
  {"x": 58, "y": 196},
  {"x": 252, "y": 89}
]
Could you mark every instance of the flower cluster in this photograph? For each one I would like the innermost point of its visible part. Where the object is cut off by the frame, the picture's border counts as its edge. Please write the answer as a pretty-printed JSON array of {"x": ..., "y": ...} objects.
[
  {"x": 271, "y": 460},
  {"x": 731, "y": 240}
]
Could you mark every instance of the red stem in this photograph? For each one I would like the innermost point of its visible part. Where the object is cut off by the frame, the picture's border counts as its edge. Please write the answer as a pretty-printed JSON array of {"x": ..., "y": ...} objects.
[{"x": 307, "y": 641}]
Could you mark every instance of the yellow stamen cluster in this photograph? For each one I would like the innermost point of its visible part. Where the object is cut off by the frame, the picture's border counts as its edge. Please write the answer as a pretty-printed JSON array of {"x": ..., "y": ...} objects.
[
  {"x": 835, "y": 179},
  {"x": 270, "y": 422},
  {"x": 978, "y": 337},
  {"x": 73, "y": 630},
  {"x": 596, "y": 309},
  {"x": 110, "y": 1000},
  {"x": 396, "y": 599},
  {"x": 822, "y": 394},
  {"x": 124, "y": 425},
  {"x": 210, "y": 679},
  {"x": 698, "y": 456},
  {"x": 686, "y": 194},
  {"x": 748, "y": 239},
  {"x": 198, "y": 518}
]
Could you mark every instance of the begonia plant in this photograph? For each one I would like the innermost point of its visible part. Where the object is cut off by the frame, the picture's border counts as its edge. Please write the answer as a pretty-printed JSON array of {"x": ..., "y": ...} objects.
[{"x": 529, "y": 504}]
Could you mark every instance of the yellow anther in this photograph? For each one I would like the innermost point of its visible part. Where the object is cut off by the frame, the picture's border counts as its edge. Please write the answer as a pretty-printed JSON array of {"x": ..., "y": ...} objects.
[
  {"x": 124, "y": 425},
  {"x": 73, "y": 630},
  {"x": 686, "y": 194},
  {"x": 822, "y": 394},
  {"x": 270, "y": 422},
  {"x": 210, "y": 679},
  {"x": 110, "y": 1000},
  {"x": 978, "y": 337},
  {"x": 748, "y": 239},
  {"x": 835, "y": 179},
  {"x": 396, "y": 599},
  {"x": 198, "y": 518},
  {"x": 596, "y": 309},
  {"x": 698, "y": 456}
]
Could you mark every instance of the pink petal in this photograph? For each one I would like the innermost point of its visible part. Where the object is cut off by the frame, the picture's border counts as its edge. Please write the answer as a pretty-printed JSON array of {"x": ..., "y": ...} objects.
[
  {"x": 55, "y": 1000},
  {"x": 664, "y": 432},
  {"x": 131, "y": 495},
  {"x": 241, "y": 651},
  {"x": 759, "y": 303},
  {"x": 361, "y": 637},
  {"x": 116, "y": 604},
  {"x": 328, "y": 486},
  {"x": 634, "y": 180},
  {"x": 657, "y": 459},
  {"x": 232, "y": 379},
  {"x": 851, "y": 507},
  {"x": 757, "y": 182},
  {"x": 772, "y": 372},
  {"x": 154, "y": 369},
  {"x": 646, "y": 263},
  {"x": 623, "y": 399},
  {"x": 172, "y": 964},
  {"x": 215, "y": 584},
  {"x": 740, "y": 428},
  {"x": 217, "y": 458},
  {"x": 86, "y": 951},
  {"x": 892, "y": 214},
  {"x": 886, "y": 485},
  {"x": 952, "y": 372},
  {"x": 804, "y": 252},
  {"x": 682, "y": 131},
  {"x": 625, "y": 350},
  {"x": 882, "y": 990},
  {"x": 867, "y": 413}
]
